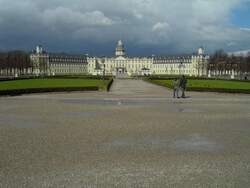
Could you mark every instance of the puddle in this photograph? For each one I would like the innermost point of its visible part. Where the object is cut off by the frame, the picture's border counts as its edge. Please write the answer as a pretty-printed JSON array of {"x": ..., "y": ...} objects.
[
  {"x": 140, "y": 144},
  {"x": 87, "y": 114},
  {"x": 9, "y": 121},
  {"x": 196, "y": 143},
  {"x": 90, "y": 101},
  {"x": 190, "y": 110},
  {"x": 112, "y": 102},
  {"x": 83, "y": 114}
]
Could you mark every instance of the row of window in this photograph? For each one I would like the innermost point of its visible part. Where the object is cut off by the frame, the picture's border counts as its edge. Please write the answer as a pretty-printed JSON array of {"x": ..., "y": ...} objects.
[
  {"x": 68, "y": 60},
  {"x": 67, "y": 65},
  {"x": 69, "y": 70},
  {"x": 160, "y": 66},
  {"x": 126, "y": 61},
  {"x": 175, "y": 71},
  {"x": 173, "y": 61},
  {"x": 133, "y": 66},
  {"x": 110, "y": 66}
]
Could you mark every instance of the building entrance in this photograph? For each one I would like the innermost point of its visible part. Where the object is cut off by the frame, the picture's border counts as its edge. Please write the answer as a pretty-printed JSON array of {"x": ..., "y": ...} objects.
[{"x": 121, "y": 72}]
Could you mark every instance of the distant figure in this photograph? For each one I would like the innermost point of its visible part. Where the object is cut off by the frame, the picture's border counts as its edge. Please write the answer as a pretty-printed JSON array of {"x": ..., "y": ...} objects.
[
  {"x": 183, "y": 85},
  {"x": 176, "y": 88}
]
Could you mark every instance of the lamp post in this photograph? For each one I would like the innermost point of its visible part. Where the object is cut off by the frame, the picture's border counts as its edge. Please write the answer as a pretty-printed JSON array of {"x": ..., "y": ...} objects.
[
  {"x": 200, "y": 66},
  {"x": 103, "y": 66},
  {"x": 181, "y": 65}
]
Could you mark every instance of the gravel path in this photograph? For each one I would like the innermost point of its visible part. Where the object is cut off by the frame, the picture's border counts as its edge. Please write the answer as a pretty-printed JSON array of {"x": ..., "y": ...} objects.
[{"x": 137, "y": 135}]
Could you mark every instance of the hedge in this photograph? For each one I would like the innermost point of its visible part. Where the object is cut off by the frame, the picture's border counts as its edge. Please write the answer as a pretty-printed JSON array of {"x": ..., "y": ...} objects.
[
  {"x": 219, "y": 90},
  {"x": 203, "y": 89},
  {"x": 107, "y": 83},
  {"x": 16, "y": 92},
  {"x": 192, "y": 77},
  {"x": 58, "y": 77},
  {"x": 110, "y": 84}
]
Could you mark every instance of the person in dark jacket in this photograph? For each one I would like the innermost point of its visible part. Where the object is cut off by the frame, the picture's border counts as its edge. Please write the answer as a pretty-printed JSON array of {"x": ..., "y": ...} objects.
[{"x": 183, "y": 85}]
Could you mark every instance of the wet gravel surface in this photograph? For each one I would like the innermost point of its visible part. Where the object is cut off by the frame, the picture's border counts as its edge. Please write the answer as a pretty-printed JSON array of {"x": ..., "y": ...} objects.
[{"x": 135, "y": 136}]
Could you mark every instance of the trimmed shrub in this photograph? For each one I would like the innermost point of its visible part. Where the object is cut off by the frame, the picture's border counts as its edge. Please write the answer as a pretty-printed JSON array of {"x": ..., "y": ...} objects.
[
  {"x": 110, "y": 84},
  {"x": 45, "y": 90},
  {"x": 206, "y": 88}
]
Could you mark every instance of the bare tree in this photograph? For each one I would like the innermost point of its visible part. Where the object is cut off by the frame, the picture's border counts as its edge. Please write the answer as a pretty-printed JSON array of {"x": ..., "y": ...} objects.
[
  {"x": 222, "y": 62},
  {"x": 14, "y": 62}
]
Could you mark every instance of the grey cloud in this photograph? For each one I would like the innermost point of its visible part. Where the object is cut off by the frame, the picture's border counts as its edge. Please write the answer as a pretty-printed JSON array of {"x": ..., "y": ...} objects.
[
  {"x": 62, "y": 15},
  {"x": 166, "y": 25}
]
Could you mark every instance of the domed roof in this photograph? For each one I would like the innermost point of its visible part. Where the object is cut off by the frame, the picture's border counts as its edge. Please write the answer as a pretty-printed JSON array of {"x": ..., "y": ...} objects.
[
  {"x": 120, "y": 43},
  {"x": 201, "y": 51},
  {"x": 120, "y": 50}
]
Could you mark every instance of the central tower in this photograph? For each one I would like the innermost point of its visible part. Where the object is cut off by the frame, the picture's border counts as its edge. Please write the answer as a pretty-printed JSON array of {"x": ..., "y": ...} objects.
[{"x": 120, "y": 50}]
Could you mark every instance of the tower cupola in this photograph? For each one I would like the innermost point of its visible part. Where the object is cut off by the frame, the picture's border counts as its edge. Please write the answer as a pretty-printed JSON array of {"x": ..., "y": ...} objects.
[
  {"x": 120, "y": 50},
  {"x": 201, "y": 51}
]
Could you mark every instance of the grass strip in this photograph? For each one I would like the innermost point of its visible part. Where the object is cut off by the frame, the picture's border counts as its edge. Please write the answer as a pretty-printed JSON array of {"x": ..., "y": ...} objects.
[
  {"x": 223, "y": 86},
  {"x": 17, "y": 87}
]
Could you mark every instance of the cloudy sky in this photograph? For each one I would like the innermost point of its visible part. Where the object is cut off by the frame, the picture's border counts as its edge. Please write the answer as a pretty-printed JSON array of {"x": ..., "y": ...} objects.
[{"x": 146, "y": 26}]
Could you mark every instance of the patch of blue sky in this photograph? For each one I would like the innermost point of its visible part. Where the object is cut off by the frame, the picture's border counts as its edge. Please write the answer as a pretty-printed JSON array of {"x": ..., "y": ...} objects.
[{"x": 240, "y": 16}]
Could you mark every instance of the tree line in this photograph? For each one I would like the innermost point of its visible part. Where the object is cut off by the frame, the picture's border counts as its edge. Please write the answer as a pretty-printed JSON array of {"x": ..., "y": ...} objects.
[
  {"x": 18, "y": 63},
  {"x": 14, "y": 63},
  {"x": 222, "y": 62}
]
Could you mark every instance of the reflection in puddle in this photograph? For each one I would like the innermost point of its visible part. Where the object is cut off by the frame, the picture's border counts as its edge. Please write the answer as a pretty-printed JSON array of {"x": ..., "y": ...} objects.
[
  {"x": 195, "y": 143},
  {"x": 83, "y": 114},
  {"x": 11, "y": 121},
  {"x": 141, "y": 144},
  {"x": 87, "y": 114},
  {"x": 90, "y": 101},
  {"x": 111, "y": 102},
  {"x": 130, "y": 103},
  {"x": 190, "y": 110}
]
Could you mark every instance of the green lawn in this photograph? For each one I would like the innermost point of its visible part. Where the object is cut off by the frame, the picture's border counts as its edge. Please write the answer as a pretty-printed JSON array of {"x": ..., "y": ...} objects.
[
  {"x": 53, "y": 83},
  {"x": 211, "y": 85}
]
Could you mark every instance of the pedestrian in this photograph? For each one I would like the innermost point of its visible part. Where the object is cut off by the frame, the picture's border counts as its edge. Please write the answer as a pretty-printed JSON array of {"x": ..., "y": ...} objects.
[
  {"x": 183, "y": 85},
  {"x": 176, "y": 88}
]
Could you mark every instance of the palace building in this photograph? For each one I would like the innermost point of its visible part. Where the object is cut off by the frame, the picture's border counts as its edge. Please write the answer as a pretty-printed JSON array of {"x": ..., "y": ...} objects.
[
  {"x": 52, "y": 64},
  {"x": 120, "y": 65}
]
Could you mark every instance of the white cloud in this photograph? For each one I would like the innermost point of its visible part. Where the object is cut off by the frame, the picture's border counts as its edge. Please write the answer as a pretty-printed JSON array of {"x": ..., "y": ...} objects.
[
  {"x": 160, "y": 26},
  {"x": 245, "y": 29},
  {"x": 138, "y": 15}
]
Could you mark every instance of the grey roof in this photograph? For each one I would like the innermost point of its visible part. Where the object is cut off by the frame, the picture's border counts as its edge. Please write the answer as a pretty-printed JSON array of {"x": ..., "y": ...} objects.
[
  {"x": 64, "y": 55},
  {"x": 172, "y": 57}
]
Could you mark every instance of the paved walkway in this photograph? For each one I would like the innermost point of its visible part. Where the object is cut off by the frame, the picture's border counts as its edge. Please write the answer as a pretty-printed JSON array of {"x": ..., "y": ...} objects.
[
  {"x": 137, "y": 135},
  {"x": 129, "y": 88}
]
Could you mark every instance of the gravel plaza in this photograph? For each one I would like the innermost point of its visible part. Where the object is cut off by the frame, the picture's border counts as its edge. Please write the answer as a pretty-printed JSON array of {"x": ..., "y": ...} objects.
[{"x": 136, "y": 135}]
